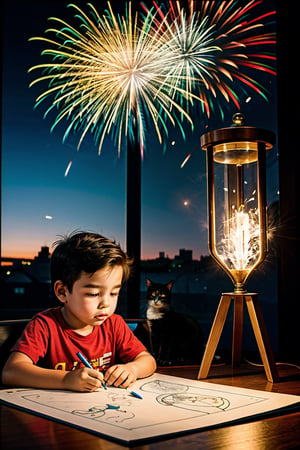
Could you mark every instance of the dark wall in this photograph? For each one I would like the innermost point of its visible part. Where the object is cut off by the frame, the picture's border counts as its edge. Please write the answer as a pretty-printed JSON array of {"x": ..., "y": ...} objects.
[{"x": 289, "y": 146}]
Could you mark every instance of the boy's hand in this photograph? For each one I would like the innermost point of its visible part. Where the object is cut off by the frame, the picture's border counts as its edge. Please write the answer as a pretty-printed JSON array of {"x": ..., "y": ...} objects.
[
  {"x": 120, "y": 375},
  {"x": 83, "y": 380},
  {"x": 123, "y": 375}
]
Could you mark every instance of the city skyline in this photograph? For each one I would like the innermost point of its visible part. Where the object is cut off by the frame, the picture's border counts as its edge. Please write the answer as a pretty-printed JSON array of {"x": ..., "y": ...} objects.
[
  {"x": 181, "y": 252},
  {"x": 42, "y": 200}
]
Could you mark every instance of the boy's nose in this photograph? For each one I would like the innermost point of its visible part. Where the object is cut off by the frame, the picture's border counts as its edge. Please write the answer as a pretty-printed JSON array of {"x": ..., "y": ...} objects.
[{"x": 104, "y": 302}]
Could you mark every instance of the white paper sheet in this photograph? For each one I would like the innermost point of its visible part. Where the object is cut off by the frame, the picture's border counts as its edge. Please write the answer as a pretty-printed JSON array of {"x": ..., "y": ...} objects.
[{"x": 170, "y": 406}]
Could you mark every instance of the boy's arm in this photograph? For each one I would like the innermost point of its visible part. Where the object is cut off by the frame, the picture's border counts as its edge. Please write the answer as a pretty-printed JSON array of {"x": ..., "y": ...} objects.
[
  {"x": 123, "y": 375},
  {"x": 19, "y": 371}
]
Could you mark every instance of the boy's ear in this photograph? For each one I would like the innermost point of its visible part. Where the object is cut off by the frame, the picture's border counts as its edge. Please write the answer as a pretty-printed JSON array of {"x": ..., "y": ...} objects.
[{"x": 60, "y": 290}]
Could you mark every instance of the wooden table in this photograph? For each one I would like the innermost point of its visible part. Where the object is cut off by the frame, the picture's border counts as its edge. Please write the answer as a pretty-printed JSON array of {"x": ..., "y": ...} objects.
[{"x": 21, "y": 430}]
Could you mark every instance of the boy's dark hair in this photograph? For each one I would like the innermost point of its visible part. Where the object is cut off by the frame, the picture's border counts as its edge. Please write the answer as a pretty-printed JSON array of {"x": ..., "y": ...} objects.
[{"x": 85, "y": 252}]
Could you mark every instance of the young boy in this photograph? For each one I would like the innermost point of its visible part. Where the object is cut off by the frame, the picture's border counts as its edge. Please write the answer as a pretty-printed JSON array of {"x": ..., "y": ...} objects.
[{"x": 87, "y": 272}]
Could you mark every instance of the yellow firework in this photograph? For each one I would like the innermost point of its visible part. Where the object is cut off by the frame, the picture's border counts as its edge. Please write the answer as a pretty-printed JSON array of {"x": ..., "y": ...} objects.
[{"x": 110, "y": 76}]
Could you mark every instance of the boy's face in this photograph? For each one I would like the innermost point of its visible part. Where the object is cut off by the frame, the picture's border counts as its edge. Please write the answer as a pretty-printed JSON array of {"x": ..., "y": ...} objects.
[{"x": 93, "y": 298}]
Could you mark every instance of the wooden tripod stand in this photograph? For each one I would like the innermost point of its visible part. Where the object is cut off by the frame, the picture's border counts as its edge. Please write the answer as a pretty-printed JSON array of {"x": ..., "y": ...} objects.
[{"x": 258, "y": 326}]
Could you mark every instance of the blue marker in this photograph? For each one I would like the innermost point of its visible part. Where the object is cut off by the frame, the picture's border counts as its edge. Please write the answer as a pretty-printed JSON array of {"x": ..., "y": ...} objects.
[
  {"x": 135, "y": 394},
  {"x": 87, "y": 364},
  {"x": 112, "y": 406}
]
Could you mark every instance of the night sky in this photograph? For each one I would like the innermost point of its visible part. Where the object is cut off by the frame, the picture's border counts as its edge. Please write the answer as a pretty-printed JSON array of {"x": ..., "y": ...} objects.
[{"x": 39, "y": 203}]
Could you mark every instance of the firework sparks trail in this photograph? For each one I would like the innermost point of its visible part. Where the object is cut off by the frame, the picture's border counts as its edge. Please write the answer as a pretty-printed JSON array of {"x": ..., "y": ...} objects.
[
  {"x": 185, "y": 160},
  {"x": 115, "y": 74},
  {"x": 68, "y": 167},
  {"x": 215, "y": 50}
]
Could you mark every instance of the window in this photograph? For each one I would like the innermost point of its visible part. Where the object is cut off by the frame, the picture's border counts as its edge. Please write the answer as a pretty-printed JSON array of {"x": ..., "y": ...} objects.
[{"x": 49, "y": 188}]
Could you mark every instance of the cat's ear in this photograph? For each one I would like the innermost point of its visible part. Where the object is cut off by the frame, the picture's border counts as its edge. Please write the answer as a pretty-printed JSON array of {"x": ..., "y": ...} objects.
[
  {"x": 170, "y": 284},
  {"x": 148, "y": 282}
]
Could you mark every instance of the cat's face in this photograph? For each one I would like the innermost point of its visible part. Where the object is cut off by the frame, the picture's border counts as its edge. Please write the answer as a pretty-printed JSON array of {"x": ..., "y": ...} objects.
[{"x": 159, "y": 295}]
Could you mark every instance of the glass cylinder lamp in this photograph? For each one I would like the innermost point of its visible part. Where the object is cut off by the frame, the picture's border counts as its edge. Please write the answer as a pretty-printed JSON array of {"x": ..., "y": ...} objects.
[{"x": 236, "y": 188}]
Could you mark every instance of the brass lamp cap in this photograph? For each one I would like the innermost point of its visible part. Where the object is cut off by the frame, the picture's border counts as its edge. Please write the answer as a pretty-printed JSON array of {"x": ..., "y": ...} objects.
[{"x": 238, "y": 119}]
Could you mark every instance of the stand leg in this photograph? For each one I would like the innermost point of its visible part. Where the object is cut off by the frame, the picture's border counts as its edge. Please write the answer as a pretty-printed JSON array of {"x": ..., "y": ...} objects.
[
  {"x": 262, "y": 338},
  {"x": 214, "y": 335},
  {"x": 237, "y": 330},
  {"x": 259, "y": 329}
]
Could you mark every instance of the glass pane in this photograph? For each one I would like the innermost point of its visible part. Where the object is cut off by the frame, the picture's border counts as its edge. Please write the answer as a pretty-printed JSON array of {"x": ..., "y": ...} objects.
[
  {"x": 174, "y": 214},
  {"x": 43, "y": 196}
]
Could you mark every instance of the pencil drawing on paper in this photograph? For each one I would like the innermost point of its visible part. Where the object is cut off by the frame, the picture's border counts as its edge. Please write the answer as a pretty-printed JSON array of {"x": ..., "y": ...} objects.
[
  {"x": 117, "y": 407},
  {"x": 169, "y": 405},
  {"x": 116, "y": 411},
  {"x": 181, "y": 396},
  {"x": 175, "y": 395}
]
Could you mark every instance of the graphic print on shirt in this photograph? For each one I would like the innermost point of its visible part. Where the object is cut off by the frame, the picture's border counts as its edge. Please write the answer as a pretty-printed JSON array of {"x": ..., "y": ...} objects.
[{"x": 100, "y": 363}]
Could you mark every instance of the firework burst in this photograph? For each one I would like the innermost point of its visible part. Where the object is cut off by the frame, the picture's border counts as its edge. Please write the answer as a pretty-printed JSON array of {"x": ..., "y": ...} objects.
[
  {"x": 217, "y": 47},
  {"x": 114, "y": 74},
  {"x": 109, "y": 77}
]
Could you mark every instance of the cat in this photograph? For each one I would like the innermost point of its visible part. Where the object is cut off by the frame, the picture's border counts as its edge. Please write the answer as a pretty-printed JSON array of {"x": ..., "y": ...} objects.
[{"x": 171, "y": 337}]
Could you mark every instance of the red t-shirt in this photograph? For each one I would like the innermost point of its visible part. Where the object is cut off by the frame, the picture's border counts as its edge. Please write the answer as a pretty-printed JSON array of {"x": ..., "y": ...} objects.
[{"x": 50, "y": 343}]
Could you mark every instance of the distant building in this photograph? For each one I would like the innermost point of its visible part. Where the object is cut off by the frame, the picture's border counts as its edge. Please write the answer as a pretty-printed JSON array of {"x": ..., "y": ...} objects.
[
  {"x": 40, "y": 266},
  {"x": 184, "y": 255},
  {"x": 25, "y": 283},
  {"x": 20, "y": 289}
]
